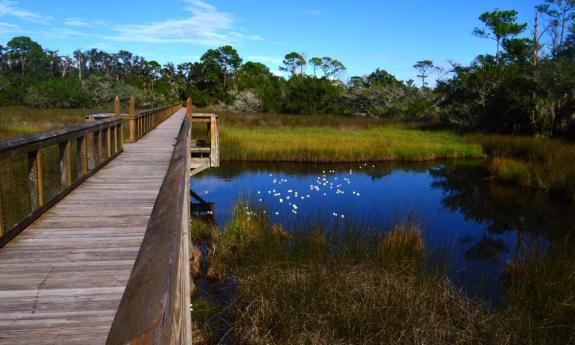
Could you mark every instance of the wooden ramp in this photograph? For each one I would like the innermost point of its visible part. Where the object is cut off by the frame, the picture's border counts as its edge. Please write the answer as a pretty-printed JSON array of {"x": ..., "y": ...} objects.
[{"x": 62, "y": 279}]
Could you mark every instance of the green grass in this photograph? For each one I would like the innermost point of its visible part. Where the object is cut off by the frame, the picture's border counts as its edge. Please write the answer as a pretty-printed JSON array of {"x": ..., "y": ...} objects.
[
  {"x": 351, "y": 286},
  {"x": 202, "y": 231},
  {"x": 331, "y": 138},
  {"x": 532, "y": 162}
]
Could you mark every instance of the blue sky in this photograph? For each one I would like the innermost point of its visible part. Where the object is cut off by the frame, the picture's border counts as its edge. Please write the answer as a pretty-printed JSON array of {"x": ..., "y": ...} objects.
[{"x": 363, "y": 34}]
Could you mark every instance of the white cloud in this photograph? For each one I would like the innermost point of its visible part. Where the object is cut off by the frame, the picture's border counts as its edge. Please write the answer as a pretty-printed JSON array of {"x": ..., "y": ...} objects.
[
  {"x": 206, "y": 26},
  {"x": 7, "y": 28},
  {"x": 10, "y": 8},
  {"x": 266, "y": 59},
  {"x": 64, "y": 33},
  {"x": 75, "y": 22}
]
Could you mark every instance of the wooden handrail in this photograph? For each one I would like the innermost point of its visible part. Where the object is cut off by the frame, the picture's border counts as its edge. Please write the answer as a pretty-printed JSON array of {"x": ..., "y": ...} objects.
[
  {"x": 155, "y": 305},
  {"x": 96, "y": 144},
  {"x": 82, "y": 150},
  {"x": 144, "y": 121},
  {"x": 31, "y": 142}
]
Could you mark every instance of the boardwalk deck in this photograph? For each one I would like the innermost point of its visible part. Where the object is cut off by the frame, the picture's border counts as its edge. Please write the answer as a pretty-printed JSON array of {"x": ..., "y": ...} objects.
[{"x": 62, "y": 279}]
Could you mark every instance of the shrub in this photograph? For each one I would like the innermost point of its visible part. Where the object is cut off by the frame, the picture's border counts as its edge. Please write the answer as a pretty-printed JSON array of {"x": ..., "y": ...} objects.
[
  {"x": 246, "y": 102},
  {"x": 59, "y": 93}
]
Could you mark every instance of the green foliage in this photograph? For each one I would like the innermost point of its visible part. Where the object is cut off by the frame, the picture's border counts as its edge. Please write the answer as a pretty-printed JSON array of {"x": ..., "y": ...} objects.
[
  {"x": 294, "y": 63},
  {"x": 60, "y": 93},
  {"x": 309, "y": 95},
  {"x": 499, "y": 25},
  {"x": 381, "y": 95}
]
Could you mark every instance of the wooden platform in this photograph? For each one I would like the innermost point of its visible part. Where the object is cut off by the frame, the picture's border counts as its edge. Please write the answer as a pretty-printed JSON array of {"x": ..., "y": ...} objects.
[{"x": 62, "y": 279}]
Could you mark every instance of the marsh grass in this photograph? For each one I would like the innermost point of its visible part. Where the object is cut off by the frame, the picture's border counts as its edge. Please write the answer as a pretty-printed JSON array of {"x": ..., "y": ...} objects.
[
  {"x": 532, "y": 162},
  {"x": 347, "y": 286},
  {"x": 15, "y": 121},
  {"x": 337, "y": 286},
  {"x": 540, "y": 294},
  {"x": 333, "y": 138},
  {"x": 203, "y": 231}
]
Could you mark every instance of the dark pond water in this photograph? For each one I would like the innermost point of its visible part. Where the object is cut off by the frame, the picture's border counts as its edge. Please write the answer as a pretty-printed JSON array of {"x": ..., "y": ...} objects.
[{"x": 476, "y": 226}]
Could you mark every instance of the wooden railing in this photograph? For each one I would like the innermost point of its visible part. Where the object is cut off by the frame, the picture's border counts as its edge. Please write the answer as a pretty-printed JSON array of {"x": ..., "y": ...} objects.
[
  {"x": 155, "y": 305},
  {"x": 37, "y": 171},
  {"x": 143, "y": 122}
]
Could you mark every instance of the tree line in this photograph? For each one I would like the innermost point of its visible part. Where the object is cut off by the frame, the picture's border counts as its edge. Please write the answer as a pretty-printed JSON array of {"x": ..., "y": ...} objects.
[{"x": 527, "y": 86}]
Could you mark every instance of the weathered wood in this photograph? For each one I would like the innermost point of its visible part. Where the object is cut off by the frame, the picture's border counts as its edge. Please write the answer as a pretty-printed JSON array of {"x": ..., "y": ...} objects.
[
  {"x": 132, "y": 120},
  {"x": 189, "y": 110},
  {"x": 109, "y": 141},
  {"x": 35, "y": 179},
  {"x": 66, "y": 164},
  {"x": 28, "y": 220},
  {"x": 155, "y": 306},
  {"x": 121, "y": 134},
  {"x": 214, "y": 142},
  {"x": 62, "y": 279},
  {"x": 28, "y": 143},
  {"x": 32, "y": 146},
  {"x": 117, "y": 106}
]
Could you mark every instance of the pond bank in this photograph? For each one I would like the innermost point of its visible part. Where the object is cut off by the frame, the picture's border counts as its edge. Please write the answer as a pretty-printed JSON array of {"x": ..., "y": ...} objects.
[
  {"x": 328, "y": 287},
  {"x": 497, "y": 256}
]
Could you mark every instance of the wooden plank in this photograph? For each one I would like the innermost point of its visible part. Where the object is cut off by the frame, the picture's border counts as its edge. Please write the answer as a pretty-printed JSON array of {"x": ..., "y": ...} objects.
[
  {"x": 214, "y": 143},
  {"x": 62, "y": 279},
  {"x": 155, "y": 306}
]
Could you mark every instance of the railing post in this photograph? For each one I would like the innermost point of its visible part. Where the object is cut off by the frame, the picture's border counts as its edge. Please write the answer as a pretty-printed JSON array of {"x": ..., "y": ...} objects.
[
  {"x": 132, "y": 120},
  {"x": 66, "y": 163},
  {"x": 35, "y": 179},
  {"x": 100, "y": 148},
  {"x": 214, "y": 143},
  {"x": 82, "y": 155},
  {"x": 118, "y": 113},
  {"x": 109, "y": 142},
  {"x": 189, "y": 108},
  {"x": 92, "y": 150},
  {"x": 117, "y": 106}
]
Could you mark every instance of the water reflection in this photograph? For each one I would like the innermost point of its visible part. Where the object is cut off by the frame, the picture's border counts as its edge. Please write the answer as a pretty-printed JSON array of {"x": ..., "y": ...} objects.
[{"x": 473, "y": 224}]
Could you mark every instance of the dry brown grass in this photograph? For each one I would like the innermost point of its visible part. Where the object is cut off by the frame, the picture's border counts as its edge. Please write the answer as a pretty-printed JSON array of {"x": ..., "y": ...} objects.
[{"x": 15, "y": 121}]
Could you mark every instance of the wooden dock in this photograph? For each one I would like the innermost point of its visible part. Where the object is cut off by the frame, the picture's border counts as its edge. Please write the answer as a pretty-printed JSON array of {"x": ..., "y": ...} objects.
[{"x": 63, "y": 278}]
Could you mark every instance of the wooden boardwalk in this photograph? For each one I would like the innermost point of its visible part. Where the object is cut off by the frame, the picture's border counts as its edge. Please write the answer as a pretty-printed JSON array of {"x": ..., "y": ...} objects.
[{"x": 62, "y": 279}]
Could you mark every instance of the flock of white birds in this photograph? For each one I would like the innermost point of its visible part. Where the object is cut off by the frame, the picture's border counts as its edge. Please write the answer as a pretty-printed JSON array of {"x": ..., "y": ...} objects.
[{"x": 327, "y": 184}]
